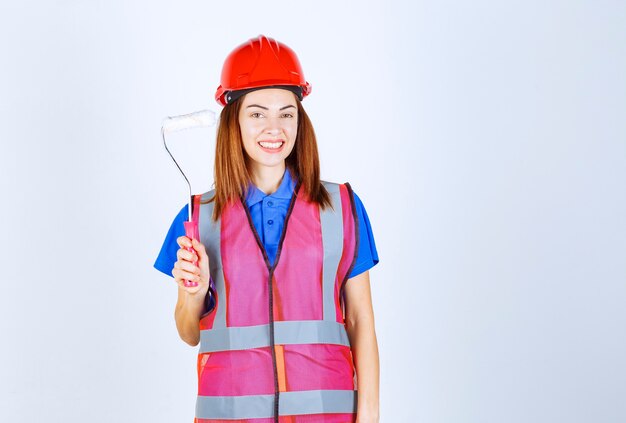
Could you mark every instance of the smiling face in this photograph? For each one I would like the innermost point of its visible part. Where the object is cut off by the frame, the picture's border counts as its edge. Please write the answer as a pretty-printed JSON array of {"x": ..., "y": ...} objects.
[{"x": 268, "y": 120}]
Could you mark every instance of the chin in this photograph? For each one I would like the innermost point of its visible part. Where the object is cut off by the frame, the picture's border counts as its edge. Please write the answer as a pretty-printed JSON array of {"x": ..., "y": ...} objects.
[
  {"x": 274, "y": 163},
  {"x": 269, "y": 163}
]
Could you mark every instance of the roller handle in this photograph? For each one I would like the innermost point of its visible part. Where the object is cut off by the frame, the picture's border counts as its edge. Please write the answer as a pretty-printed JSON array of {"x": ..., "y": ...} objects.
[{"x": 191, "y": 230}]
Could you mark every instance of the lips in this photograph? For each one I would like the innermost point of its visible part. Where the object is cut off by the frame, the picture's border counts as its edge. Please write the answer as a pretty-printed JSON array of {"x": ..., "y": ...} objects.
[{"x": 271, "y": 146}]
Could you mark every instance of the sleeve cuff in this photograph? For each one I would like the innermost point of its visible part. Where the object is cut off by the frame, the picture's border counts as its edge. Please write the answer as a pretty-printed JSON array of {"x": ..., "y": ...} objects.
[{"x": 362, "y": 267}]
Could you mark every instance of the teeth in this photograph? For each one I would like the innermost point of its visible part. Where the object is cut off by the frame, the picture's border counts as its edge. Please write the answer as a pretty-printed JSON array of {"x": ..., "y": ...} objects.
[{"x": 271, "y": 144}]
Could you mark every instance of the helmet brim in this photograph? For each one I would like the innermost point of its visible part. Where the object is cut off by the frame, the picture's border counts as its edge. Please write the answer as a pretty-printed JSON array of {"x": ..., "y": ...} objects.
[{"x": 230, "y": 96}]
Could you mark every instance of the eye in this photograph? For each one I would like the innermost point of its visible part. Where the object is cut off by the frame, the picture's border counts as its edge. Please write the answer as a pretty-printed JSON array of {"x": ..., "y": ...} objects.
[
  {"x": 256, "y": 115},
  {"x": 287, "y": 115}
]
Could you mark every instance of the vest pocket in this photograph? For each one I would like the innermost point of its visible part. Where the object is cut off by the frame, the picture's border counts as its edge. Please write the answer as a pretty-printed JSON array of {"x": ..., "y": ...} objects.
[{"x": 237, "y": 373}]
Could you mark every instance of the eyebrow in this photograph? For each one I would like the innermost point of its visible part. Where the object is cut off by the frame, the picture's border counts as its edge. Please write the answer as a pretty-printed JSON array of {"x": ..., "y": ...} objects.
[{"x": 265, "y": 108}]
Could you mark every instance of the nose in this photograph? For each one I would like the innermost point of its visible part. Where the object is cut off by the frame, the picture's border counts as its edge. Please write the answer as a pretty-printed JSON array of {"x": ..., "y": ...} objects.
[{"x": 273, "y": 126}]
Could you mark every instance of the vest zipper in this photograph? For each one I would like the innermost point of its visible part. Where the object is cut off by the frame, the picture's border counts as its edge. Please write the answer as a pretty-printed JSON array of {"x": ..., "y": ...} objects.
[{"x": 271, "y": 268}]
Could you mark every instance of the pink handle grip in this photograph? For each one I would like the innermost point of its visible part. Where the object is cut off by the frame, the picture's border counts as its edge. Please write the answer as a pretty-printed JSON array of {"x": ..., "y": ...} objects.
[{"x": 191, "y": 230}]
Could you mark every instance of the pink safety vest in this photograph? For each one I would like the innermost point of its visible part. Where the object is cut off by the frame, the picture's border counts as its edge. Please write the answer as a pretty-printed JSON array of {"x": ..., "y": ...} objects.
[{"x": 274, "y": 347}]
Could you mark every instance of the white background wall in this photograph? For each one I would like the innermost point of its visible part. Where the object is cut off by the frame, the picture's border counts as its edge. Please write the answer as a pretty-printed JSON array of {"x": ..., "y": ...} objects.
[{"x": 486, "y": 139}]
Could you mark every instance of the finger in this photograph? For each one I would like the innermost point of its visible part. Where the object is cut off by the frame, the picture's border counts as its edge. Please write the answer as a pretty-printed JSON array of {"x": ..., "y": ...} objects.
[
  {"x": 199, "y": 247},
  {"x": 190, "y": 288},
  {"x": 183, "y": 275},
  {"x": 183, "y": 254},
  {"x": 185, "y": 285},
  {"x": 187, "y": 266},
  {"x": 183, "y": 241}
]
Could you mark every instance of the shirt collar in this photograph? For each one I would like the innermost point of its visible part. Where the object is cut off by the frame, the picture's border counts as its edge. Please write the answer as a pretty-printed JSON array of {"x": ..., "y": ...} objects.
[{"x": 284, "y": 191}]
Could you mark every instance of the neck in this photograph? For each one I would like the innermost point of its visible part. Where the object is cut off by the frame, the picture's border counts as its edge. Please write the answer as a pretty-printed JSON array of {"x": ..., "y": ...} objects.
[{"x": 267, "y": 179}]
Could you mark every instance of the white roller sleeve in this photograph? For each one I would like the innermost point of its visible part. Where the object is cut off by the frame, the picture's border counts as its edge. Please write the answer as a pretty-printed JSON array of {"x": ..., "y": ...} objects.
[{"x": 192, "y": 120}]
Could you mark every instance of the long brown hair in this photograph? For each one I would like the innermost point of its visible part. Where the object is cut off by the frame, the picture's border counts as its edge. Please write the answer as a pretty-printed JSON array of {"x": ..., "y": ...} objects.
[{"x": 231, "y": 171}]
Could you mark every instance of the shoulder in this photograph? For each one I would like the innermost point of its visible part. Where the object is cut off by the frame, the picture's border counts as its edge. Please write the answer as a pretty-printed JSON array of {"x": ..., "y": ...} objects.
[
  {"x": 335, "y": 187},
  {"x": 207, "y": 196},
  {"x": 207, "y": 201},
  {"x": 342, "y": 194},
  {"x": 345, "y": 193}
]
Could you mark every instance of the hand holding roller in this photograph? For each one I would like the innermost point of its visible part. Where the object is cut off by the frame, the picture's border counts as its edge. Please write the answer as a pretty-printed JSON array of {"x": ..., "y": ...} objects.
[{"x": 203, "y": 118}]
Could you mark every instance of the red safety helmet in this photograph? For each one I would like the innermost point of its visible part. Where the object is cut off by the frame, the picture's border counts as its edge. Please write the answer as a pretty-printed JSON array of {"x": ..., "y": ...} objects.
[{"x": 260, "y": 63}]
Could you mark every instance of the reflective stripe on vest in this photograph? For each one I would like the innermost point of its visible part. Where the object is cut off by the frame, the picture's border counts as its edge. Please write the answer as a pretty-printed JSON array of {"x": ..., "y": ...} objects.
[
  {"x": 332, "y": 243},
  {"x": 296, "y": 360},
  {"x": 285, "y": 333},
  {"x": 291, "y": 403}
]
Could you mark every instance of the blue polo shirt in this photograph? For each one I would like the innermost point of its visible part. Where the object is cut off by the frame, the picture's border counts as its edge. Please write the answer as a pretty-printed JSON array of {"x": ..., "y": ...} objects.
[{"x": 268, "y": 214}]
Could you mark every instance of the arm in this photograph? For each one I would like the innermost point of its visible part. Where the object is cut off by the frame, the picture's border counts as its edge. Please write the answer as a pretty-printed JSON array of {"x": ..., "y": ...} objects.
[
  {"x": 189, "y": 308},
  {"x": 360, "y": 328}
]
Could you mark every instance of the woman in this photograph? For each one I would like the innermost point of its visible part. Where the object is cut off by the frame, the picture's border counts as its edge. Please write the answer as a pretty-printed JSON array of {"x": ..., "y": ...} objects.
[{"x": 281, "y": 307}]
